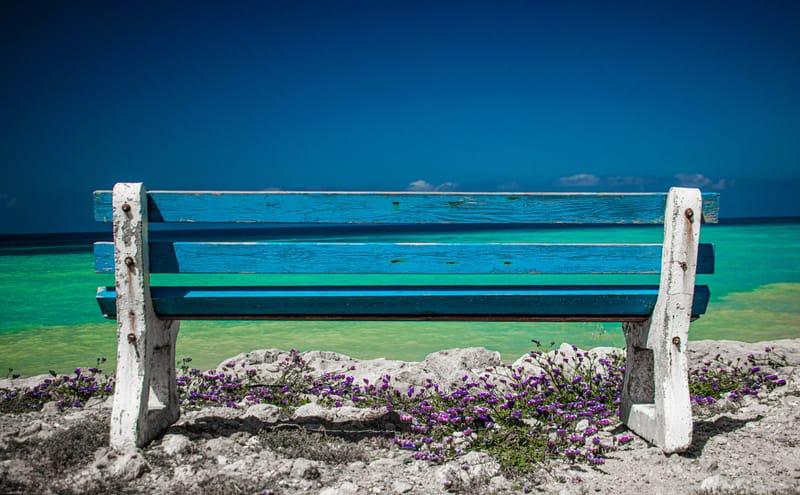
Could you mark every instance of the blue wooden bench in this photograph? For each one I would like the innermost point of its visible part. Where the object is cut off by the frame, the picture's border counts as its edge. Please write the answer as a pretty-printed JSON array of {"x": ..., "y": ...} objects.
[{"x": 655, "y": 402}]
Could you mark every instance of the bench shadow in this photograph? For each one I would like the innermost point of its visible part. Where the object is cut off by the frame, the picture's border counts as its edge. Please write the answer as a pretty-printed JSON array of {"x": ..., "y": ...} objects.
[
  {"x": 389, "y": 425},
  {"x": 706, "y": 430},
  {"x": 386, "y": 426}
]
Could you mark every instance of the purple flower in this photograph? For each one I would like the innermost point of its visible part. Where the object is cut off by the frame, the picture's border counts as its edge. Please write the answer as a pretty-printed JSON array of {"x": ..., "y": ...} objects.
[
  {"x": 576, "y": 438},
  {"x": 407, "y": 444}
]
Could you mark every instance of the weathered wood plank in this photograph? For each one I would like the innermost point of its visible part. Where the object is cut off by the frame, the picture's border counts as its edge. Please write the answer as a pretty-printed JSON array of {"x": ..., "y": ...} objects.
[
  {"x": 404, "y": 207},
  {"x": 401, "y": 258},
  {"x": 710, "y": 207},
  {"x": 525, "y": 303}
]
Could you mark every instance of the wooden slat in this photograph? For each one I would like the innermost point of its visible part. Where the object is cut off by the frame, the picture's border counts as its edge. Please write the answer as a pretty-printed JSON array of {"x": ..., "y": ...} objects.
[
  {"x": 710, "y": 207},
  {"x": 405, "y": 258},
  {"x": 404, "y": 207},
  {"x": 525, "y": 303},
  {"x": 401, "y": 258}
]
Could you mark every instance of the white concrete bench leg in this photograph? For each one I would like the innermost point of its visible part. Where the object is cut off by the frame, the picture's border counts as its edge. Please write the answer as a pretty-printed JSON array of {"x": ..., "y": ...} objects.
[
  {"x": 145, "y": 398},
  {"x": 655, "y": 400}
]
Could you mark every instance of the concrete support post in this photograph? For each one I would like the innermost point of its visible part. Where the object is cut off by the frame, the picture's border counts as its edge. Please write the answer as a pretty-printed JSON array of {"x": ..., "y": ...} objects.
[
  {"x": 145, "y": 397},
  {"x": 655, "y": 398}
]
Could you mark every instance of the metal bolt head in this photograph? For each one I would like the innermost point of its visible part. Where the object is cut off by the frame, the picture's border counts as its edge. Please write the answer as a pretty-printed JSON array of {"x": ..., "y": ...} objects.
[
  {"x": 131, "y": 338},
  {"x": 129, "y": 261},
  {"x": 126, "y": 207},
  {"x": 689, "y": 214},
  {"x": 676, "y": 340}
]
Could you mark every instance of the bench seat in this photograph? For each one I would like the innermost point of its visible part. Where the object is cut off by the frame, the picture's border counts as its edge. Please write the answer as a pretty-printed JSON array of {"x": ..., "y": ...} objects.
[{"x": 460, "y": 303}]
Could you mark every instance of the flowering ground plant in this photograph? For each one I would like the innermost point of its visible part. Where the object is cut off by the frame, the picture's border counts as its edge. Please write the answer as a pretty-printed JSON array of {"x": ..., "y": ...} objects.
[
  {"x": 557, "y": 405},
  {"x": 554, "y": 404},
  {"x": 65, "y": 391},
  {"x": 721, "y": 378}
]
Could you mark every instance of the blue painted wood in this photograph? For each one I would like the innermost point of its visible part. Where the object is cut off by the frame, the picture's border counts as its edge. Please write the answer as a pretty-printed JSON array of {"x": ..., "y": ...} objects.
[
  {"x": 104, "y": 257},
  {"x": 401, "y": 258},
  {"x": 404, "y": 207},
  {"x": 524, "y": 303}
]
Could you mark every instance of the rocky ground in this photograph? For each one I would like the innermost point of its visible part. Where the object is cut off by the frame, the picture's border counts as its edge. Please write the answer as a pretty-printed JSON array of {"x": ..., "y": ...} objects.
[{"x": 751, "y": 447}]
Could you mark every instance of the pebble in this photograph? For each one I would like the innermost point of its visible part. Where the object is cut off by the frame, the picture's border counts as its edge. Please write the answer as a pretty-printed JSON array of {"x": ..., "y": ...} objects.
[
  {"x": 174, "y": 444},
  {"x": 220, "y": 446},
  {"x": 305, "y": 469},
  {"x": 267, "y": 413},
  {"x": 357, "y": 465},
  {"x": 184, "y": 473},
  {"x": 711, "y": 483},
  {"x": 345, "y": 488},
  {"x": 401, "y": 487},
  {"x": 128, "y": 466},
  {"x": 30, "y": 430},
  {"x": 383, "y": 464}
]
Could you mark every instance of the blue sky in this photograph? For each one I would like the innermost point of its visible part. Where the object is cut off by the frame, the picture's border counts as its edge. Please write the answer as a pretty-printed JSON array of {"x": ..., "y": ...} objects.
[{"x": 396, "y": 95}]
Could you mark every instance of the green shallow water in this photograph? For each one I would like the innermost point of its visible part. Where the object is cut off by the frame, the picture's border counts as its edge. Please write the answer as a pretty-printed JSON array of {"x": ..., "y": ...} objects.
[{"x": 49, "y": 319}]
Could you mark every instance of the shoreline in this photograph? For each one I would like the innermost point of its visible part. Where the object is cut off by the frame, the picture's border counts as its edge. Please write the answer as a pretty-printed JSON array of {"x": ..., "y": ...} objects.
[{"x": 30, "y": 380}]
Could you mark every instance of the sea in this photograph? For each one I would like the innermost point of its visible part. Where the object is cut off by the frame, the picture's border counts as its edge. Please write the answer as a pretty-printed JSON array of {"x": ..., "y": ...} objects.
[{"x": 49, "y": 319}]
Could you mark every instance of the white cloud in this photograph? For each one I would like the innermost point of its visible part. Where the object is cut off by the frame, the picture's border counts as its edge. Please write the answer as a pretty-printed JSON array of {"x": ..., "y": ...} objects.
[
  {"x": 579, "y": 180},
  {"x": 425, "y": 186},
  {"x": 420, "y": 186},
  {"x": 446, "y": 186},
  {"x": 701, "y": 181}
]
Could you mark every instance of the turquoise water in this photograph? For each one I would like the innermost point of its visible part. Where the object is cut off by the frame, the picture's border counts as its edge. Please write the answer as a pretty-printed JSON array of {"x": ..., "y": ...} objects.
[{"x": 50, "y": 319}]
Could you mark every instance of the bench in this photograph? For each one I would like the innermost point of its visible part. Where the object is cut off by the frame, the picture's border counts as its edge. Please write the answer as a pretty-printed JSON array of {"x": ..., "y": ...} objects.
[{"x": 655, "y": 400}]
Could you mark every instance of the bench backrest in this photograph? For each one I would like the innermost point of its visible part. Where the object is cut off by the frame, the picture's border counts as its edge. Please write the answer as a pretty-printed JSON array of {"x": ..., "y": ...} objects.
[{"x": 400, "y": 208}]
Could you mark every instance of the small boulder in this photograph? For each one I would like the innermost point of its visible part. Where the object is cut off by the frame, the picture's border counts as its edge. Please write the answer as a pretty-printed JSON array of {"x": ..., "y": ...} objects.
[
  {"x": 128, "y": 465},
  {"x": 174, "y": 444}
]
